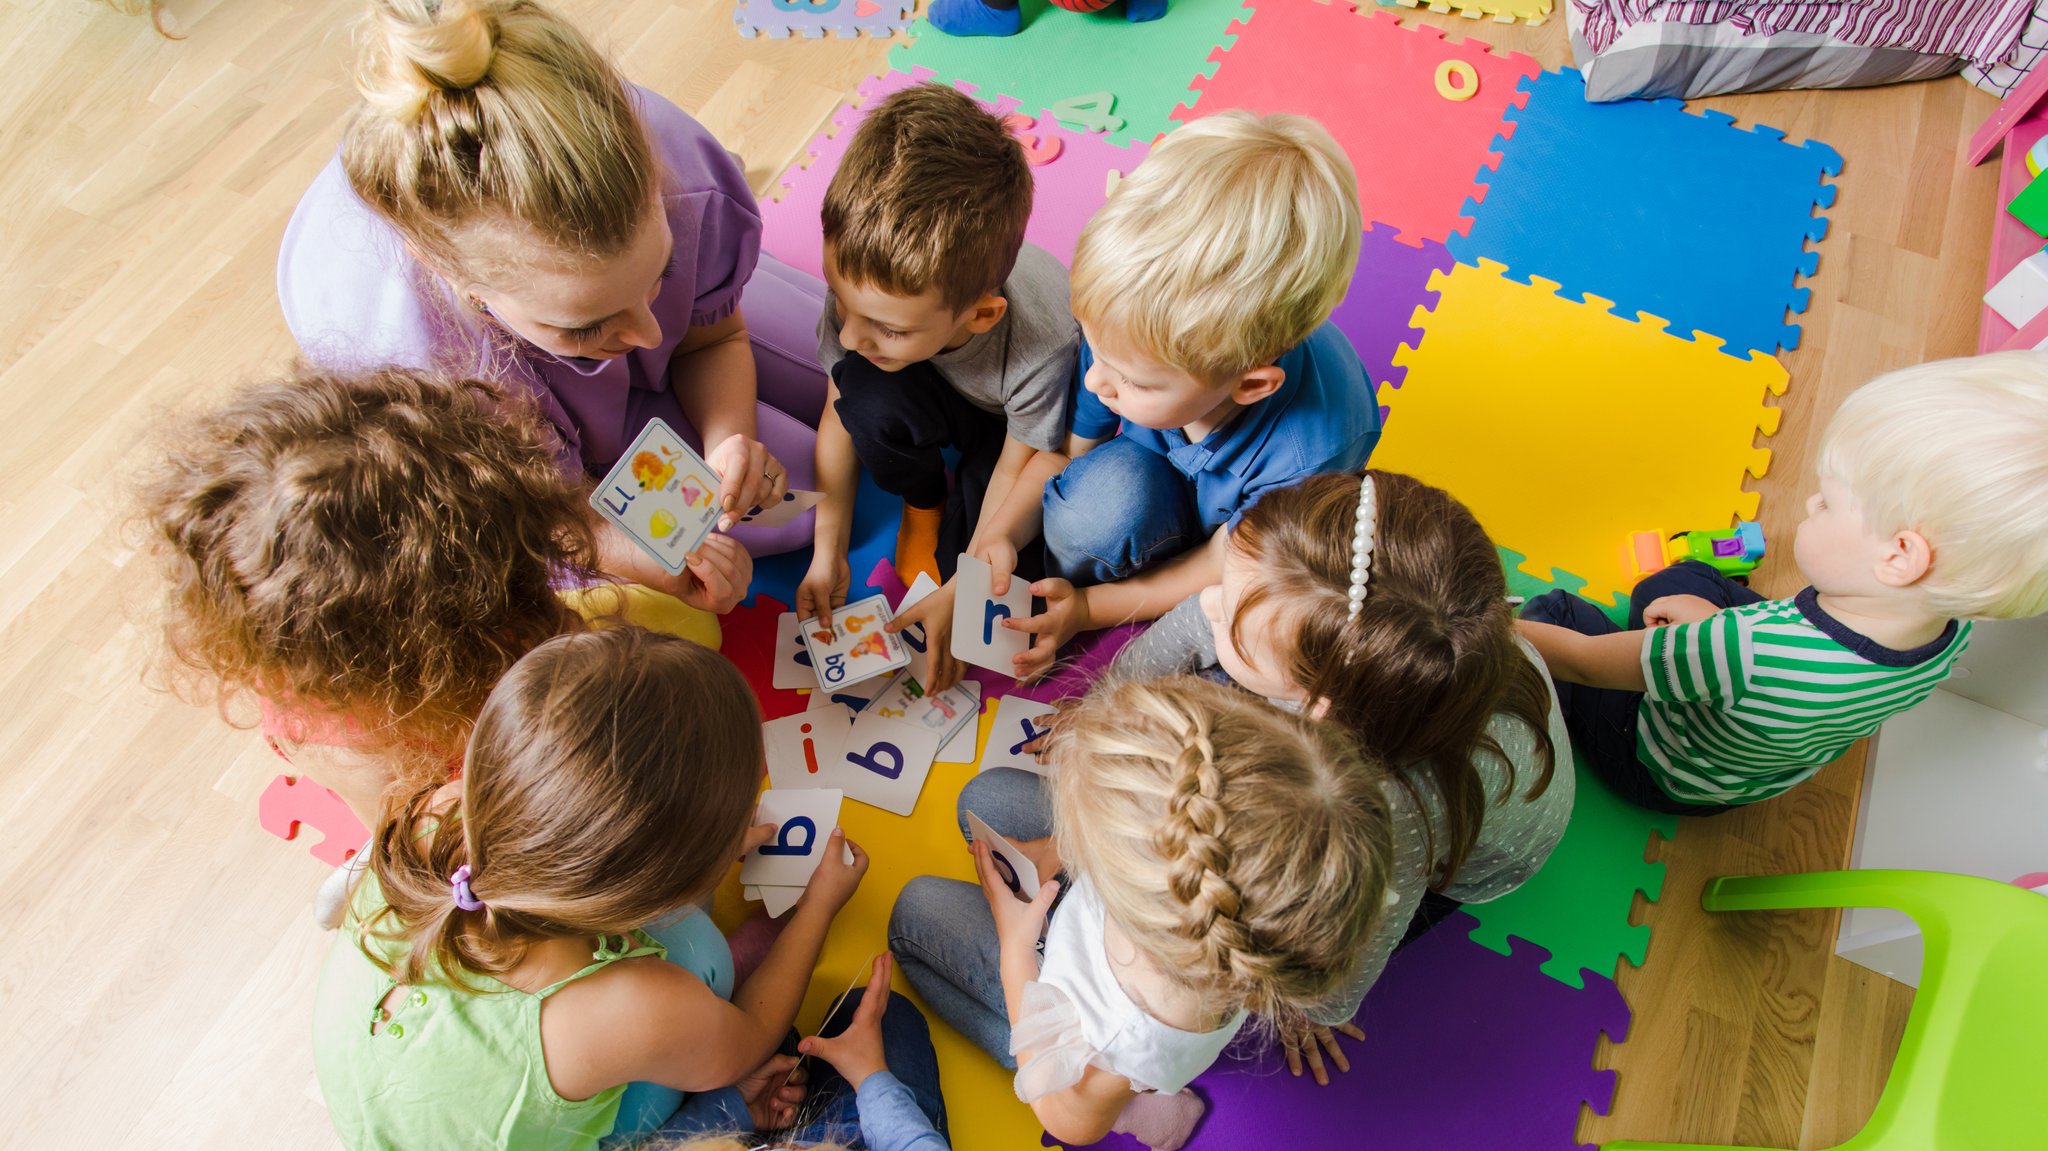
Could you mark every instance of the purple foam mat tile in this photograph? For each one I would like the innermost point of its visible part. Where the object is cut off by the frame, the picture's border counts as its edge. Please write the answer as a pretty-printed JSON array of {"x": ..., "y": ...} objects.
[
  {"x": 1391, "y": 283},
  {"x": 1464, "y": 1049},
  {"x": 1070, "y": 173},
  {"x": 780, "y": 19}
]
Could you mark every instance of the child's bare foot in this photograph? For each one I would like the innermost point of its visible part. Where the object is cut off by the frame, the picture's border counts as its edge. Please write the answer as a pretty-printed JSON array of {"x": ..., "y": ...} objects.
[{"x": 1161, "y": 1122}]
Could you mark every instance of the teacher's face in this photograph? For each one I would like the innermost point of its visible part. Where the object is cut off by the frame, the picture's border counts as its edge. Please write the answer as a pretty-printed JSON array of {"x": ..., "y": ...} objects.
[{"x": 579, "y": 308}]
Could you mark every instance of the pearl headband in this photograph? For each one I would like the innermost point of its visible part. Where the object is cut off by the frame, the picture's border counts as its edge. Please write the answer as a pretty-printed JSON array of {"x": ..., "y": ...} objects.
[{"x": 1362, "y": 542}]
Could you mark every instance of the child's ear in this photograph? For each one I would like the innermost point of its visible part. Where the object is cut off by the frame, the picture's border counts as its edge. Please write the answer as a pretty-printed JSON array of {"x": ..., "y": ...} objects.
[
  {"x": 1258, "y": 383},
  {"x": 1907, "y": 558},
  {"x": 985, "y": 313}
]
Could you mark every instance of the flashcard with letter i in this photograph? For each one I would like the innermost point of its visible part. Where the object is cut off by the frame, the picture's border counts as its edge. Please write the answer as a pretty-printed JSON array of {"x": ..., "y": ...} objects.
[
  {"x": 979, "y": 636},
  {"x": 856, "y": 647},
  {"x": 801, "y": 746},
  {"x": 662, "y": 493}
]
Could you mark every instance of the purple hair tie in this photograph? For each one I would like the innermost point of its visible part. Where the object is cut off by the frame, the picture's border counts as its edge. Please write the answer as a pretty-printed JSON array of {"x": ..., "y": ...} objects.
[{"x": 464, "y": 899}]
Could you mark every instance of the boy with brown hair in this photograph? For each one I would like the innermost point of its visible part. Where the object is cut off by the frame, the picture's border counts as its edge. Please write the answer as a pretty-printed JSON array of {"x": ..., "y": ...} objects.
[{"x": 942, "y": 330}]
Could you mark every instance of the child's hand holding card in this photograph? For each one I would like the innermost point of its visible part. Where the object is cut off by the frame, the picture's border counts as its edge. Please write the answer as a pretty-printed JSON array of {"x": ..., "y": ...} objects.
[
  {"x": 662, "y": 493},
  {"x": 803, "y": 819},
  {"x": 979, "y": 636},
  {"x": 1015, "y": 867}
]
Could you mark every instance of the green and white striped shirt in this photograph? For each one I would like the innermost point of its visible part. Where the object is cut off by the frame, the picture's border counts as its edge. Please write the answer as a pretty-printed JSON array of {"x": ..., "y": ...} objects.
[{"x": 1754, "y": 699}]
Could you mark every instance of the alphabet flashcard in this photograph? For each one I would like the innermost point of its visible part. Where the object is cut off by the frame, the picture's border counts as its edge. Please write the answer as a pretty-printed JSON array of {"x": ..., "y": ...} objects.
[
  {"x": 1018, "y": 721},
  {"x": 914, "y": 636},
  {"x": 804, "y": 818},
  {"x": 966, "y": 742},
  {"x": 979, "y": 636},
  {"x": 801, "y": 746},
  {"x": 1014, "y": 866},
  {"x": 792, "y": 657},
  {"x": 946, "y": 712},
  {"x": 852, "y": 698},
  {"x": 855, "y": 647},
  {"x": 792, "y": 504},
  {"x": 662, "y": 493},
  {"x": 885, "y": 762}
]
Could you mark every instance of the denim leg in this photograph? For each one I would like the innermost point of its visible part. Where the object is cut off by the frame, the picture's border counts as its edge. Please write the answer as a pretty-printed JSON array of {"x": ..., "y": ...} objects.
[
  {"x": 1116, "y": 511},
  {"x": 906, "y": 1047},
  {"x": 695, "y": 944},
  {"x": 1690, "y": 577},
  {"x": 1013, "y": 803},
  {"x": 944, "y": 939}
]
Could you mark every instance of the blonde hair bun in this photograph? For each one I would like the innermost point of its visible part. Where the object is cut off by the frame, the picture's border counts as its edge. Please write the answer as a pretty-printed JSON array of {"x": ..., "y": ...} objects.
[{"x": 413, "y": 49}]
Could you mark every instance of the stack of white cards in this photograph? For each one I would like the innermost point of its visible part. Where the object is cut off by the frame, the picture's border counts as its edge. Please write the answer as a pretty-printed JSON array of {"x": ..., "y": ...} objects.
[
  {"x": 777, "y": 872},
  {"x": 871, "y": 730}
]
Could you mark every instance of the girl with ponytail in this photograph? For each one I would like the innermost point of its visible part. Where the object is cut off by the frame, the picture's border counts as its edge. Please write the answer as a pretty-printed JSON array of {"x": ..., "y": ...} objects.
[
  {"x": 504, "y": 204},
  {"x": 1221, "y": 858},
  {"x": 491, "y": 986}
]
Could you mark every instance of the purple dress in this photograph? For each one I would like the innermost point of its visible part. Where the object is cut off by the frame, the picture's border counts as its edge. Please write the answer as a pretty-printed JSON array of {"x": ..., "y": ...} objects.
[{"x": 355, "y": 299}]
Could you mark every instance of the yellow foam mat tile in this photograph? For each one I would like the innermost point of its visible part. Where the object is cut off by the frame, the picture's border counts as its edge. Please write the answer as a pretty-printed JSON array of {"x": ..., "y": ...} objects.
[
  {"x": 1499, "y": 11},
  {"x": 1565, "y": 427}
]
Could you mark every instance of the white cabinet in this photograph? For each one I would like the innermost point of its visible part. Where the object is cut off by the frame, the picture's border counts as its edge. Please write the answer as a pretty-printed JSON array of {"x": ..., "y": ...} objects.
[{"x": 1958, "y": 784}]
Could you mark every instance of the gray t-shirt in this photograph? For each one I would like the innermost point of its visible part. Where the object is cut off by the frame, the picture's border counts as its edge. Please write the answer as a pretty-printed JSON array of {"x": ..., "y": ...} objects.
[
  {"x": 1516, "y": 838},
  {"x": 1023, "y": 368}
]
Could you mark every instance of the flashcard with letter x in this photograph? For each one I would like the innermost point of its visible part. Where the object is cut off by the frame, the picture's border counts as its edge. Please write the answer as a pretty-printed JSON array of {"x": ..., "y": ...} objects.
[
  {"x": 663, "y": 494},
  {"x": 1018, "y": 721}
]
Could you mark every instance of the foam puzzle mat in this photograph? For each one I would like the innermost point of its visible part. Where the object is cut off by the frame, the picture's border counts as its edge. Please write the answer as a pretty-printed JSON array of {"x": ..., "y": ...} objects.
[
  {"x": 1530, "y": 12},
  {"x": 1649, "y": 192},
  {"x": 1359, "y": 73},
  {"x": 1094, "y": 70},
  {"x": 1463, "y": 1048},
  {"x": 780, "y": 19},
  {"x": 1547, "y": 417}
]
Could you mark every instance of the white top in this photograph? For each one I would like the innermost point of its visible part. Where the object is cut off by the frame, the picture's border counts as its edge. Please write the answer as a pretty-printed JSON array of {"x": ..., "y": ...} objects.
[{"x": 1076, "y": 1014}]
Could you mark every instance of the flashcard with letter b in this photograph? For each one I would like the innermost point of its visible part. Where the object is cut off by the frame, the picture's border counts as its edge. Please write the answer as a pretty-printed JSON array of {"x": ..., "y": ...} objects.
[
  {"x": 979, "y": 636},
  {"x": 804, "y": 819},
  {"x": 662, "y": 493},
  {"x": 885, "y": 762}
]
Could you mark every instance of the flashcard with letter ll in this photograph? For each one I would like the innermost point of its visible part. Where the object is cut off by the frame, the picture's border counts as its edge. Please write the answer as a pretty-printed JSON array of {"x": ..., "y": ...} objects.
[
  {"x": 1013, "y": 865},
  {"x": 804, "y": 819},
  {"x": 662, "y": 493},
  {"x": 1018, "y": 721},
  {"x": 979, "y": 636},
  {"x": 855, "y": 647}
]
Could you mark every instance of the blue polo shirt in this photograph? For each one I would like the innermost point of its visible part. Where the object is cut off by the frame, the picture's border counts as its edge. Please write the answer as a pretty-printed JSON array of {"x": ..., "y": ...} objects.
[{"x": 1324, "y": 418}]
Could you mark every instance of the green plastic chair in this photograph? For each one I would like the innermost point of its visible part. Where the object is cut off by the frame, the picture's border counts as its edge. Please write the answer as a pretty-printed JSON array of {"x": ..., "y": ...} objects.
[{"x": 1970, "y": 1070}]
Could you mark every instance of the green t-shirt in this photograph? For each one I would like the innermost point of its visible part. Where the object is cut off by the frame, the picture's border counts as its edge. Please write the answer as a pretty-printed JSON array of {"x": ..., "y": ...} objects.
[
  {"x": 452, "y": 1067},
  {"x": 1754, "y": 699}
]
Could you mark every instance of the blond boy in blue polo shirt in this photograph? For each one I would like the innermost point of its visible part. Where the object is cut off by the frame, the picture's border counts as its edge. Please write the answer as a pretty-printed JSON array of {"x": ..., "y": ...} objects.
[{"x": 1204, "y": 289}]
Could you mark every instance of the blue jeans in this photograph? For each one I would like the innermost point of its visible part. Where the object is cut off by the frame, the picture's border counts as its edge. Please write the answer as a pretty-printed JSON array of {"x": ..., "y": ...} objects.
[
  {"x": 830, "y": 1112},
  {"x": 941, "y": 930},
  {"x": 695, "y": 944},
  {"x": 1602, "y": 720},
  {"x": 1116, "y": 511}
]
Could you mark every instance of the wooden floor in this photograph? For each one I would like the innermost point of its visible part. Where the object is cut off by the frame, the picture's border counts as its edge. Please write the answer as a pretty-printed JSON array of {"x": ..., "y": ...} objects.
[{"x": 157, "y": 959}]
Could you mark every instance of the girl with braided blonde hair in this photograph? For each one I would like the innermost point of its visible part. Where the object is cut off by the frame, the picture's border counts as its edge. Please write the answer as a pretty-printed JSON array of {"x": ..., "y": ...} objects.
[{"x": 1222, "y": 859}]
